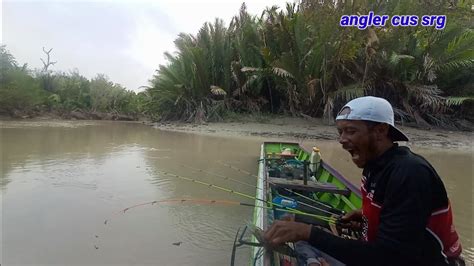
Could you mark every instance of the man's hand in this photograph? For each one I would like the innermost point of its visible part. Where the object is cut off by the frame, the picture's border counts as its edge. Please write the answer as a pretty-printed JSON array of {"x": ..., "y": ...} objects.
[
  {"x": 287, "y": 231},
  {"x": 351, "y": 220},
  {"x": 353, "y": 216}
]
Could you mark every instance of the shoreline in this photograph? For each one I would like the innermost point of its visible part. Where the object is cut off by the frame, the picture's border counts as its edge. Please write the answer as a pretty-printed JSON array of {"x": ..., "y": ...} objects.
[{"x": 300, "y": 129}]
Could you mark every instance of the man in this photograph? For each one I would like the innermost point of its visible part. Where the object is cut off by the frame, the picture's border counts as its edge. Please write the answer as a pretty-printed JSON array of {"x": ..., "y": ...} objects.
[{"x": 405, "y": 209}]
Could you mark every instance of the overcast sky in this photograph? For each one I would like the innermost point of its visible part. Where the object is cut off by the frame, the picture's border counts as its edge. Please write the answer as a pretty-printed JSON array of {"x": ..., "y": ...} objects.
[{"x": 123, "y": 39}]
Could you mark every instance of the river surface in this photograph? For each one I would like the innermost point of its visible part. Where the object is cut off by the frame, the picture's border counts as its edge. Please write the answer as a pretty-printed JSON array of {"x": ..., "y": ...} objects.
[{"x": 65, "y": 185}]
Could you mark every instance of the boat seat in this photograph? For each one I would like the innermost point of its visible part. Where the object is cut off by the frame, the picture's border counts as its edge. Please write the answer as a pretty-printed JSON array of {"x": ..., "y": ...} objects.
[{"x": 311, "y": 186}]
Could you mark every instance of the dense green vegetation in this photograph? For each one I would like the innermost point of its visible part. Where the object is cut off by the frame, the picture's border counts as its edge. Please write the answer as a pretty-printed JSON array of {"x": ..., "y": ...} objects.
[
  {"x": 29, "y": 93},
  {"x": 298, "y": 60},
  {"x": 294, "y": 60}
]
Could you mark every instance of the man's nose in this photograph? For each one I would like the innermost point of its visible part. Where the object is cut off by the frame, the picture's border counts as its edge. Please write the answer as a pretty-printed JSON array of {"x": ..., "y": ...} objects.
[{"x": 342, "y": 139}]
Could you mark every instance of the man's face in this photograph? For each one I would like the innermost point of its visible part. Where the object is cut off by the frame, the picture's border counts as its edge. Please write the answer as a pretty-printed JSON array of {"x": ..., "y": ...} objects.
[{"x": 358, "y": 139}]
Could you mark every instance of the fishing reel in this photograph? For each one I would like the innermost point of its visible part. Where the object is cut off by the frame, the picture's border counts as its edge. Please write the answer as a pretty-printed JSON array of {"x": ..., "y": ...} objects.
[{"x": 355, "y": 230}]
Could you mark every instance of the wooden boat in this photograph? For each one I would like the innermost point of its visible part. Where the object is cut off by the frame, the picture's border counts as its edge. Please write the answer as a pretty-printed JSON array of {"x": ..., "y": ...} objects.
[{"x": 283, "y": 171}]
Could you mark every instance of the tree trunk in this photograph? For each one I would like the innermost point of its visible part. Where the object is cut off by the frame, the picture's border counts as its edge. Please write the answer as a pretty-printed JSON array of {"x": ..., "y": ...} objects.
[{"x": 200, "y": 115}]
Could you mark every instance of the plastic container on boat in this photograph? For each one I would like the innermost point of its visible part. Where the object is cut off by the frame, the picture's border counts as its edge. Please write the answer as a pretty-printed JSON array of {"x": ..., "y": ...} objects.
[
  {"x": 315, "y": 160},
  {"x": 285, "y": 203}
]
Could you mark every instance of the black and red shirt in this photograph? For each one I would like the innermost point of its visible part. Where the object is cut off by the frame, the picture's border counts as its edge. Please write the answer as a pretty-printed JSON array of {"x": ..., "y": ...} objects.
[{"x": 409, "y": 218}]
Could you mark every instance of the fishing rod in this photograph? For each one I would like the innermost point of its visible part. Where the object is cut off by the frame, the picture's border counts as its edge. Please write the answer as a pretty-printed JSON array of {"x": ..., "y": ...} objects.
[
  {"x": 198, "y": 201},
  {"x": 329, "y": 220},
  {"x": 202, "y": 201},
  {"x": 182, "y": 201},
  {"x": 179, "y": 200},
  {"x": 295, "y": 211},
  {"x": 256, "y": 187},
  {"x": 292, "y": 192}
]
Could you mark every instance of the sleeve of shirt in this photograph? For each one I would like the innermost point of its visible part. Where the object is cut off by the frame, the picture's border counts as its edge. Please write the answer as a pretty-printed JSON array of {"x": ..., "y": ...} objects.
[{"x": 404, "y": 215}]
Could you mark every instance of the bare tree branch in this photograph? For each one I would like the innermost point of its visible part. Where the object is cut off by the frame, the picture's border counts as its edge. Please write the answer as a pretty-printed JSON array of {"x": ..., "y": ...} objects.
[{"x": 47, "y": 63}]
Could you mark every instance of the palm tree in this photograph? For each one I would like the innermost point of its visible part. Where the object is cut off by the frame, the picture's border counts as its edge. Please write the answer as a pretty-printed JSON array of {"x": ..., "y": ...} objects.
[{"x": 296, "y": 60}]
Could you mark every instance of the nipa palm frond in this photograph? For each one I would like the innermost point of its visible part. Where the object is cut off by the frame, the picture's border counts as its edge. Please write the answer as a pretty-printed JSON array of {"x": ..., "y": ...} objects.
[
  {"x": 217, "y": 90},
  {"x": 428, "y": 96},
  {"x": 396, "y": 58},
  {"x": 350, "y": 92},
  {"x": 282, "y": 73},
  {"x": 251, "y": 69},
  {"x": 455, "y": 101},
  {"x": 248, "y": 84},
  {"x": 457, "y": 64},
  {"x": 428, "y": 66},
  {"x": 463, "y": 41}
]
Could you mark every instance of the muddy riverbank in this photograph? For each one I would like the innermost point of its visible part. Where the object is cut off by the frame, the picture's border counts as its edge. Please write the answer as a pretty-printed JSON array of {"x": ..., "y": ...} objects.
[{"x": 299, "y": 129}]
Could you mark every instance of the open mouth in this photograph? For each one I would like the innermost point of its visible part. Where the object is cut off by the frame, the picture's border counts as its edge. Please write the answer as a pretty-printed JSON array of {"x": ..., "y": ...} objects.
[{"x": 354, "y": 154}]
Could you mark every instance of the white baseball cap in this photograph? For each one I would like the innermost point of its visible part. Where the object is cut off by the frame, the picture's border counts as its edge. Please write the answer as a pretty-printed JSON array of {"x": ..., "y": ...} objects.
[{"x": 374, "y": 109}]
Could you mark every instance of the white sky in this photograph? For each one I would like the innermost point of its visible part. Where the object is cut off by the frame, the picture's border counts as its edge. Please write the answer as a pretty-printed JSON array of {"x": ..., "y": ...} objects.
[{"x": 123, "y": 39}]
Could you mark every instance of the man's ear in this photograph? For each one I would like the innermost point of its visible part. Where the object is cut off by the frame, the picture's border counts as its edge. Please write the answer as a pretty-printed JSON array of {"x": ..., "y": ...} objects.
[{"x": 382, "y": 131}]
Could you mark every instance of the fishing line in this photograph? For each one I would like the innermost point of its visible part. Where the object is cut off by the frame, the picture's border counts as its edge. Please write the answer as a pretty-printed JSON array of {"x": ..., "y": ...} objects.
[{"x": 221, "y": 176}]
